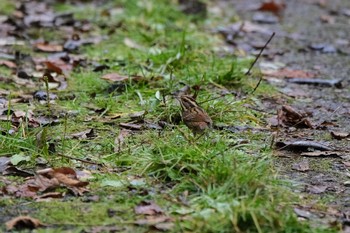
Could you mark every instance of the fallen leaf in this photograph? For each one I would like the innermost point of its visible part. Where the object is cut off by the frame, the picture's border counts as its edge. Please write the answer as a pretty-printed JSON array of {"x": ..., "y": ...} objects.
[
  {"x": 137, "y": 115},
  {"x": 302, "y": 213},
  {"x": 119, "y": 141},
  {"x": 86, "y": 134},
  {"x": 273, "y": 7},
  {"x": 288, "y": 116},
  {"x": 46, "y": 47},
  {"x": 17, "y": 158},
  {"x": 302, "y": 166},
  {"x": 148, "y": 208},
  {"x": 160, "y": 222},
  {"x": 339, "y": 135},
  {"x": 304, "y": 146},
  {"x": 4, "y": 162},
  {"x": 130, "y": 126},
  {"x": 115, "y": 77},
  {"x": 317, "y": 189},
  {"x": 48, "y": 196},
  {"x": 68, "y": 177},
  {"x": 323, "y": 154},
  {"x": 7, "y": 168},
  {"x": 327, "y": 19},
  {"x": 23, "y": 222},
  {"x": 288, "y": 73},
  {"x": 9, "y": 64},
  {"x": 53, "y": 67},
  {"x": 346, "y": 163}
]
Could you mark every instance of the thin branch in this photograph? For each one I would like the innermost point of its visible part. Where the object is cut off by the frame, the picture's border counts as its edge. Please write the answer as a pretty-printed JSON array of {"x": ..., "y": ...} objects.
[
  {"x": 257, "y": 57},
  {"x": 80, "y": 160}
]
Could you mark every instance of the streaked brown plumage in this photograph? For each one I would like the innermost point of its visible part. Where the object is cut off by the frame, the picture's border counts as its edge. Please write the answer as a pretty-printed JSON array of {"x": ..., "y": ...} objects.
[{"x": 194, "y": 117}]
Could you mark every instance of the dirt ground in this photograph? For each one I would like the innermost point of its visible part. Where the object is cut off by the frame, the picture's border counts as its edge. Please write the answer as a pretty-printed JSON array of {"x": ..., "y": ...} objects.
[{"x": 311, "y": 36}]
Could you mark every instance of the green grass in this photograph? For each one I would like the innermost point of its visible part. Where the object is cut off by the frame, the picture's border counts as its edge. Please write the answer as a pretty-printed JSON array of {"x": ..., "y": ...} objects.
[{"x": 228, "y": 186}]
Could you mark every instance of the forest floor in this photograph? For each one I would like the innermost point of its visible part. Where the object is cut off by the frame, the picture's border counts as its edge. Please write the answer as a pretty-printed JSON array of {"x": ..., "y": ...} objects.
[{"x": 92, "y": 138}]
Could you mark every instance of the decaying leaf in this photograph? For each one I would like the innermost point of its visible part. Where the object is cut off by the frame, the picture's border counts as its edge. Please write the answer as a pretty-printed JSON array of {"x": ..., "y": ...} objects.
[
  {"x": 137, "y": 115},
  {"x": 148, "y": 208},
  {"x": 131, "y": 126},
  {"x": 46, "y": 47},
  {"x": 302, "y": 166},
  {"x": 86, "y": 134},
  {"x": 115, "y": 77},
  {"x": 323, "y": 154},
  {"x": 346, "y": 163},
  {"x": 302, "y": 213},
  {"x": 7, "y": 168},
  {"x": 303, "y": 146},
  {"x": 317, "y": 189},
  {"x": 273, "y": 7},
  {"x": 160, "y": 222},
  {"x": 339, "y": 135},
  {"x": 288, "y": 73},
  {"x": 119, "y": 141},
  {"x": 47, "y": 180},
  {"x": 9, "y": 64},
  {"x": 23, "y": 222},
  {"x": 53, "y": 67},
  {"x": 288, "y": 116}
]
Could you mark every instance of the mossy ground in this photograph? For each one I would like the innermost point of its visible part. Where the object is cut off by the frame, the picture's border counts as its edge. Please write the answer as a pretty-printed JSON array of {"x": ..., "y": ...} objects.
[{"x": 228, "y": 186}]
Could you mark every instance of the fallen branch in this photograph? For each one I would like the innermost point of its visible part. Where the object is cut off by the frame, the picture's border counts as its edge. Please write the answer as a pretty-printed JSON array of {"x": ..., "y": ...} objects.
[{"x": 80, "y": 160}]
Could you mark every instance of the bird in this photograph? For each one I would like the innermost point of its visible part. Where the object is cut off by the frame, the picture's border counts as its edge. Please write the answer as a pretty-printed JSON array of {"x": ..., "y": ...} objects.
[{"x": 194, "y": 117}]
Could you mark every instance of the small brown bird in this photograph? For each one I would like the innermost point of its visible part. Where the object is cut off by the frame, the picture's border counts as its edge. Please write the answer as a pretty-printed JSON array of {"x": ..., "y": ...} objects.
[{"x": 194, "y": 117}]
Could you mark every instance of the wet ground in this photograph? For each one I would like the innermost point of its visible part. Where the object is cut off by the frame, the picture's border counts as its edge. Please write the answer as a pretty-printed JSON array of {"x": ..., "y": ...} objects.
[{"x": 311, "y": 36}]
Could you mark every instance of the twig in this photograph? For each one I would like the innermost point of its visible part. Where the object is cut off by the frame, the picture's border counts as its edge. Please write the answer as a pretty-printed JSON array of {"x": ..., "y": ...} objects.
[
  {"x": 81, "y": 160},
  {"x": 257, "y": 57}
]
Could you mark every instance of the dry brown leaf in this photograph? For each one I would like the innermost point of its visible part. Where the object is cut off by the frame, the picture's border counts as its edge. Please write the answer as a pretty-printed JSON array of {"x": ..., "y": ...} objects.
[
  {"x": 45, "y": 47},
  {"x": 148, "y": 208},
  {"x": 288, "y": 116},
  {"x": 346, "y": 163},
  {"x": 23, "y": 222},
  {"x": 119, "y": 141},
  {"x": 289, "y": 73},
  {"x": 9, "y": 64},
  {"x": 303, "y": 166},
  {"x": 273, "y": 7},
  {"x": 160, "y": 222},
  {"x": 339, "y": 135},
  {"x": 317, "y": 189},
  {"x": 86, "y": 134},
  {"x": 48, "y": 196},
  {"x": 68, "y": 176},
  {"x": 130, "y": 126},
  {"x": 53, "y": 67},
  {"x": 115, "y": 77}
]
